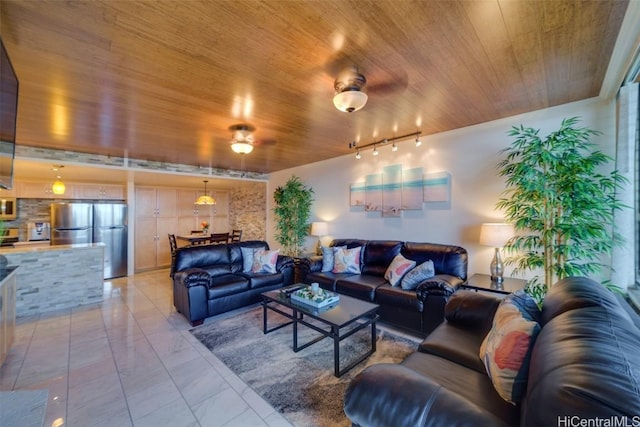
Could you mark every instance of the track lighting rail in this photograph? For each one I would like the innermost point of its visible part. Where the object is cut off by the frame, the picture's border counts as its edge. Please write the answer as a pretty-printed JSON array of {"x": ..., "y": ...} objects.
[{"x": 383, "y": 141}]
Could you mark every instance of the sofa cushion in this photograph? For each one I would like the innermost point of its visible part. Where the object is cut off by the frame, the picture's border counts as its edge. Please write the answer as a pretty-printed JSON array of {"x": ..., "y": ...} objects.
[
  {"x": 506, "y": 350},
  {"x": 347, "y": 260},
  {"x": 397, "y": 297},
  {"x": 397, "y": 269},
  {"x": 378, "y": 254},
  {"x": 262, "y": 280},
  {"x": 470, "y": 384},
  {"x": 455, "y": 343},
  {"x": 264, "y": 261},
  {"x": 360, "y": 286},
  {"x": 227, "y": 284},
  {"x": 419, "y": 274},
  {"x": 446, "y": 259},
  {"x": 327, "y": 280}
]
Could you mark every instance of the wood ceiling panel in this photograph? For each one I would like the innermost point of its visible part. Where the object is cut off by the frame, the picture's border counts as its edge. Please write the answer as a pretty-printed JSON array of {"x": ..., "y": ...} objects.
[{"x": 164, "y": 80}]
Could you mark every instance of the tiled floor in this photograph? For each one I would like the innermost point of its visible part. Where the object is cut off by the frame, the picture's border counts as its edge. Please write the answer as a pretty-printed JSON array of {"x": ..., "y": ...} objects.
[{"x": 129, "y": 361}]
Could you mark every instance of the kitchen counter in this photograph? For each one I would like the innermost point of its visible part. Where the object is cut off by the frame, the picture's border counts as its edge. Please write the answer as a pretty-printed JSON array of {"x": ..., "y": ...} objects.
[
  {"x": 44, "y": 245},
  {"x": 56, "y": 277}
]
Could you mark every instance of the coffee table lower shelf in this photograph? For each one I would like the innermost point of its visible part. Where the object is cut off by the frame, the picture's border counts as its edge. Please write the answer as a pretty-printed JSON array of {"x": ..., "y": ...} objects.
[{"x": 362, "y": 315}]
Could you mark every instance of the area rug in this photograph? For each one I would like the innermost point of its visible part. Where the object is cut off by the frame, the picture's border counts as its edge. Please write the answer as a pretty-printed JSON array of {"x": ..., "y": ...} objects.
[{"x": 301, "y": 386}]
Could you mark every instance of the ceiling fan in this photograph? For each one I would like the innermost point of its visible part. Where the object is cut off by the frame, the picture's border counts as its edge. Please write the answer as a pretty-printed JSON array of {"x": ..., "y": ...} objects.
[
  {"x": 243, "y": 140},
  {"x": 350, "y": 82}
]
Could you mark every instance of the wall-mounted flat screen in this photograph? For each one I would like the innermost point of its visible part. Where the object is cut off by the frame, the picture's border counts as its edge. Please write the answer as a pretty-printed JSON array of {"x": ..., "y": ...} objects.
[{"x": 8, "y": 117}]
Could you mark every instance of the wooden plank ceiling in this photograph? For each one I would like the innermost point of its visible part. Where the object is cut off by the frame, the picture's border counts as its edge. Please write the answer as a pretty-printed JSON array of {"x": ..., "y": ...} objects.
[{"x": 164, "y": 80}]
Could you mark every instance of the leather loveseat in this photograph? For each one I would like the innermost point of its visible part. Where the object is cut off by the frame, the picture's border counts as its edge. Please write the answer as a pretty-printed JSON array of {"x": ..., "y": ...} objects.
[
  {"x": 420, "y": 309},
  {"x": 584, "y": 367},
  {"x": 209, "y": 279}
]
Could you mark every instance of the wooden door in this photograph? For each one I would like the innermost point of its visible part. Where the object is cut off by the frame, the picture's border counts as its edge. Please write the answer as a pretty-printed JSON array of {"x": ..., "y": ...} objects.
[
  {"x": 167, "y": 202},
  {"x": 164, "y": 227},
  {"x": 146, "y": 243},
  {"x": 146, "y": 203}
]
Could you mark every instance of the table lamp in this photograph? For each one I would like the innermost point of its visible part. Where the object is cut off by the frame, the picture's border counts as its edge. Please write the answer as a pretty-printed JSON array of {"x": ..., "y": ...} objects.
[
  {"x": 319, "y": 229},
  {"x": 496, "y": 235}
]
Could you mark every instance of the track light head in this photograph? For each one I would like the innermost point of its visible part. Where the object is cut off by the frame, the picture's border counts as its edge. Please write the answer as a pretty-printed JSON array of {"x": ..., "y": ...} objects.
[
  {"x": 358, "y": 155},
  {"x": 375, "y": 151},
  {"x": 418, "y": 142},
  {"x": 394, "y": 147}
]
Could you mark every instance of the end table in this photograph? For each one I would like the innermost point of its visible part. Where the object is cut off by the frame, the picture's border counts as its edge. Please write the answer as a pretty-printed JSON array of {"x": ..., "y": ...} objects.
[{"x": 483, "y": 282}]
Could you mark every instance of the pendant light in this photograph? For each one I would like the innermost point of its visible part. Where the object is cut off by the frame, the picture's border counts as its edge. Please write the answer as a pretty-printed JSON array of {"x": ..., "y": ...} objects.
[
  {"x": 205, "y": 199},
  {"x": 58, "y": 186}
]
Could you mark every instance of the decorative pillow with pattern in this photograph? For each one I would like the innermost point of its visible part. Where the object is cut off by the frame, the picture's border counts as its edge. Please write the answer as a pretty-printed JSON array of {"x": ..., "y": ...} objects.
[
  {"x": 264, "y": 261},
  {"x": 397, "y": 269},
  {"x": 328, "y": 258},
  {"x": 413, "y": 278},
  {"x": 347, "y": 260},
  {"x": 506, "y": 350}
]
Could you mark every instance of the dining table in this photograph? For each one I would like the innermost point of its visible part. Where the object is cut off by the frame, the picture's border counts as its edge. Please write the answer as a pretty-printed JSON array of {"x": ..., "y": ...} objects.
[{"x": 195, "y": 238}]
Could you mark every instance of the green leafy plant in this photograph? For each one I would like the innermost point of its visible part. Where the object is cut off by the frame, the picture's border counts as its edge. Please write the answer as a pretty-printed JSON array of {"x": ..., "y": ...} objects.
[
  {"x": 292, "y": 209},
  {"x": 559, "y": 201}
]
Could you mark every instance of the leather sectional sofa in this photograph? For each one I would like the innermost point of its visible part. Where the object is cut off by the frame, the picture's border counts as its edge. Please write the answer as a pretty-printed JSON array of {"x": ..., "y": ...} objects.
[
  {"x": 209, "y": 279},
  {"x": 421, "y": 309},
  {"x": 584, "y": 367}
]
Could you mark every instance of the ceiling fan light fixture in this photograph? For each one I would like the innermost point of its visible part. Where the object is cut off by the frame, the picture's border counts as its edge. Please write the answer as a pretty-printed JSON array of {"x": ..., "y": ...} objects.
[
  {"x": 350, "y": 100},
  {"x": 242, "y": 138},
  {"x": 241, "y": 147}
]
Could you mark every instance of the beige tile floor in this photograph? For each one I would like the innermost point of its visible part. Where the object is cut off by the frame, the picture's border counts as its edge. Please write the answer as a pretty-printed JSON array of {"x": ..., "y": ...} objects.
[{"x": 129, "y": 361}]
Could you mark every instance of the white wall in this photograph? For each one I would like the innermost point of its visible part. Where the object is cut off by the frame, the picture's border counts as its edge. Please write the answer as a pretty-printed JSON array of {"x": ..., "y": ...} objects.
[{"x": 469, "y": 154}]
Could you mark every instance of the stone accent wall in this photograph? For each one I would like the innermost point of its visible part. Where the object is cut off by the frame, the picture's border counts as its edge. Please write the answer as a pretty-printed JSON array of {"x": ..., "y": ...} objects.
[
  {"x": 247, "y": 210},
  {"x": 25, "y": 151},
  {"x": 57, "y": 277}
]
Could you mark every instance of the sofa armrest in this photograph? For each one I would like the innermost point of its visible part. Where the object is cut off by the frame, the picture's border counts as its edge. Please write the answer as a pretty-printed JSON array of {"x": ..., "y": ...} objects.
[
  {"x": 388, "y": 395},
  {"x": 312, "y": 264},
  {"x": 192, "y": 277},
  {"x": 473, "y": 310},
  {"x": 283, "y": 263},
  {"x": 440, "y": 284}
]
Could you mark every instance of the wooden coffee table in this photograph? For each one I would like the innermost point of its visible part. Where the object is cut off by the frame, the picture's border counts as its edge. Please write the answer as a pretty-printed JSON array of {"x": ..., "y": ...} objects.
[{"x": 347, "y": 317}]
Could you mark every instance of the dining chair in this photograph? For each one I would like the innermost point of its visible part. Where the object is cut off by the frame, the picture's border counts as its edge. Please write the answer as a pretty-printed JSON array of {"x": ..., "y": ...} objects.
[
  {"x": 236, "y": 235},
  {"x": 219, "y": 238},
  {"x": 174, "y": 247}
]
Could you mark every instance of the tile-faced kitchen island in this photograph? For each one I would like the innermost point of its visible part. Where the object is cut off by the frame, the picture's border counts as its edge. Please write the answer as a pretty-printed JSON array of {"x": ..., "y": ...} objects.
[{"x": 56, "y": 277}]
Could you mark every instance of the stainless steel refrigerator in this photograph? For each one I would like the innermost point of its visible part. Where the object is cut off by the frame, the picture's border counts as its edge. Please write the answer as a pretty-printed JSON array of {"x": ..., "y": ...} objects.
[
  {"x": 110, "y": 228},
  {"x": 94, "y": 223},
  {"x": 71, "y": 223}
]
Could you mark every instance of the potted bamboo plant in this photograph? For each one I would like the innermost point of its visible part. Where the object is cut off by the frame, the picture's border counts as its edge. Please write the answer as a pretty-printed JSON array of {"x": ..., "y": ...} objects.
[
  {"x": 292, "y": 209},
  {"x": 560, "y": 202}
]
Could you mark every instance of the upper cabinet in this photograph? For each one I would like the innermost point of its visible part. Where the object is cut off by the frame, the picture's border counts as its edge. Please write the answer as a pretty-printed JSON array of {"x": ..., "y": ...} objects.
[
  {"x": 99, "y": 191},
  {"x": 41, "y": 190},
  {"x": 73, "y": 190}
]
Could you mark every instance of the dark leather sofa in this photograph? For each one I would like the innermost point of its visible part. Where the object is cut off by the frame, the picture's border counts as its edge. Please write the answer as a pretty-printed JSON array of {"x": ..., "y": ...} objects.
[
  {"x": 585, "y": 365},
  {"x": 421, "y": 309},
  {"x": 209, "y": 279}
]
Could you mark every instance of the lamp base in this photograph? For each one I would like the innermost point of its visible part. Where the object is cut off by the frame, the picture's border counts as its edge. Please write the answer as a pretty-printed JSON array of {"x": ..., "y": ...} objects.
[{"x": 497, "y": 268}]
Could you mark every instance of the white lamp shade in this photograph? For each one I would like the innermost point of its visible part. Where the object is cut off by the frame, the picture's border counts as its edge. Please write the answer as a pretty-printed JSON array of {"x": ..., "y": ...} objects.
[
  {"x": 350, "y": 100},
  {"x": 319, "y": 229},
  {"x": 495, "y": 234}
]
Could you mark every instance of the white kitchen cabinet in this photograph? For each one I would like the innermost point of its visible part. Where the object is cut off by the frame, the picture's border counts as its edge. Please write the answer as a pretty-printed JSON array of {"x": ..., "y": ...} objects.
[{"x": 7, "y": 312}]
